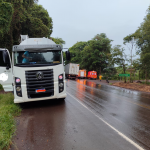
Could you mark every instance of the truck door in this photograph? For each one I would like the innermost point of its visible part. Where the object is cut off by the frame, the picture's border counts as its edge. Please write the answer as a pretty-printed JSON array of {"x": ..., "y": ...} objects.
[{"x": 6, "y": 77}]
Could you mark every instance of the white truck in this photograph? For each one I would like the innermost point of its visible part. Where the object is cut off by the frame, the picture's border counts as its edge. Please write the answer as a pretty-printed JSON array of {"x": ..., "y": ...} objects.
[
  {"x": 71, "y": 70},
  {"x": 36, "y": 71}
]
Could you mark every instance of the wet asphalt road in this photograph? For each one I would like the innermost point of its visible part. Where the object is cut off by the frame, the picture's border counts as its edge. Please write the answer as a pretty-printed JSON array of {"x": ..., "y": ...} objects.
[{"x": 92, "y": 117}]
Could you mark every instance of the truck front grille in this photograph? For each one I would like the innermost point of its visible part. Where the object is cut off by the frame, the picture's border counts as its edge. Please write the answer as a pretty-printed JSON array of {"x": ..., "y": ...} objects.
[{"x": 33, "y": 83}]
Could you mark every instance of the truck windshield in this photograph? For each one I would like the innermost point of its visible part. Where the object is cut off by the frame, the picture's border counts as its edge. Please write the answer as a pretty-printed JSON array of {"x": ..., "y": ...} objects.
[{"x": 37, "y": 58}]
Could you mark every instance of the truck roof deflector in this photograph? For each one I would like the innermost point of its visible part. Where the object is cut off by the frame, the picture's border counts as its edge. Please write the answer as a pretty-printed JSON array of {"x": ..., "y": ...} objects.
[{"x": 36, "y": 47}]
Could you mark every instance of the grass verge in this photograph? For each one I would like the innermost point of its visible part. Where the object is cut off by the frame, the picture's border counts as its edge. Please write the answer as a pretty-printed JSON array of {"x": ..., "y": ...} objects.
[{"x": 8, "y": 110}]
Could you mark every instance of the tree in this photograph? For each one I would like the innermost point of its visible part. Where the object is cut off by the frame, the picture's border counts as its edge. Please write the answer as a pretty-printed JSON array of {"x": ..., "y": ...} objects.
[
  {"x": 58, "y": 41},
  {"x": 11, "y": 36},
  {"x": 95, "y": 53},
  {"x": 76, "y": 52},
  {"x": 119, "y": 58},
  {"x": 6, "y": 11},
  {"x": 27, "y": 18},
  {"x": 138, "y": 65},
  {"x": 142, "y": 36},
  {"x": 37, "y": 23},
  {"x": 145, "y": 60},
  {"x": 109, "y": 72}
]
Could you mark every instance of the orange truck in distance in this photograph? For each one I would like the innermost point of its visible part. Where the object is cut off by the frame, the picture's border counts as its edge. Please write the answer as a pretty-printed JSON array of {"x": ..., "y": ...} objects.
[
  {"x": 92, "y": 75},
  {"x": 82, "y": 74}
]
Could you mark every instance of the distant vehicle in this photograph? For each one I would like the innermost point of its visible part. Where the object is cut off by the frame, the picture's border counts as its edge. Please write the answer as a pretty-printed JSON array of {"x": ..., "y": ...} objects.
[
  {"x": 82, "y": 74},
  {"x": 92, "y": 75},
  {"x": 71, "y": 71}
]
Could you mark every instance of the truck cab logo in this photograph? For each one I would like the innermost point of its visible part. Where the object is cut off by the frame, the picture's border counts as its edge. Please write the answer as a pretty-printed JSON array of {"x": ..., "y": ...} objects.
[{"x": 39, "y": 75}]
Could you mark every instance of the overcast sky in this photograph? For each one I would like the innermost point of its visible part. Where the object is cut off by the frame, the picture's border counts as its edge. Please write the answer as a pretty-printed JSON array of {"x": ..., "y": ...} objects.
[{"x": 81, "y": 20}]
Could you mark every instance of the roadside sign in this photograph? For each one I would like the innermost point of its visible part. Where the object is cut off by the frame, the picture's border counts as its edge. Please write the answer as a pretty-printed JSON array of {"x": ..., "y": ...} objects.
[{"x": 124, "y": 75}]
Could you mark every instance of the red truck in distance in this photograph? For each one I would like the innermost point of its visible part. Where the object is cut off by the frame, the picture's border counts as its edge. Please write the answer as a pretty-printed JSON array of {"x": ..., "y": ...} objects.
[{"x": 92, "y": 75}]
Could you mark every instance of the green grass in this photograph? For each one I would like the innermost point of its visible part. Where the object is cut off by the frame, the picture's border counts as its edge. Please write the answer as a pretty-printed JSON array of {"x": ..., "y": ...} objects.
[
  {"x": 148, "y": 83},
  {"x": 8, "y": 110},
  {"x": 1, "y": 88},
  {"x": 110, "y": 83}
]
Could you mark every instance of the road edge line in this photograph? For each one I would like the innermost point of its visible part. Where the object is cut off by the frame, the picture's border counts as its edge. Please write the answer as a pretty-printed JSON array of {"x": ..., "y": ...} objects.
[{"x": 121, "y": 134}]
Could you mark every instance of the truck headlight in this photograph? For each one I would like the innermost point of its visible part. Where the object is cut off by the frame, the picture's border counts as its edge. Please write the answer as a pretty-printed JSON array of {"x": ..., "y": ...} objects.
[
  {"x": 18, "y": 86},
  {"x": 18, "y": 89},
  {"x": 60, "y": 83}
]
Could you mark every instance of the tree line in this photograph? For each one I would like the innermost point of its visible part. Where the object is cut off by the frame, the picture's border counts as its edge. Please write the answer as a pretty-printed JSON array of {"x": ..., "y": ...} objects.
[
  {"x": 142, "y": 42},
  {"x": 99, "y": 55}
]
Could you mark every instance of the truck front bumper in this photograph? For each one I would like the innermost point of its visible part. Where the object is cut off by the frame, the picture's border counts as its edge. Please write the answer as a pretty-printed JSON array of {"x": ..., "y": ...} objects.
[{"x": 25, "y": 98}]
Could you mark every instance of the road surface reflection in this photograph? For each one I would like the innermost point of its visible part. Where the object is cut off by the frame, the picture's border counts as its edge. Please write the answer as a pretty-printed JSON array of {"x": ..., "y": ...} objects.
[{"x": 127, "y": 110}]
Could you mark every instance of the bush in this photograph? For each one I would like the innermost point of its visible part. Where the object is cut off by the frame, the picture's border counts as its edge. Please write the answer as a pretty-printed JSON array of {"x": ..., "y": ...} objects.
[
  {"x": 115, "y": 77},
  {"x": 1, "y": 87}
]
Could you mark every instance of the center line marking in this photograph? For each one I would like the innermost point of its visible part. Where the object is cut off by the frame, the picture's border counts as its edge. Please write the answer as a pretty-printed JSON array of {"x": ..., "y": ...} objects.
[{"x": 121, "y": 134}]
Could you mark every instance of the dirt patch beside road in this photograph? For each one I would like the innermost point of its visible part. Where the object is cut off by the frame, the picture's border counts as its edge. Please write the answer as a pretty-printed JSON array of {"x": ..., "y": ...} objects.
[{"x": 134, "y": 86}]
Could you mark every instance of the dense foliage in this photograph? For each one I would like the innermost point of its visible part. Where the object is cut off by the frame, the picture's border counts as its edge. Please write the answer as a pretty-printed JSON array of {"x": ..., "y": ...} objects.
[
  {"x": 93, "y": 54},
  {"x": 58, "y": 41},
  {"x": 142, "y": 38},
  {"x": 22, "y": 17},
  {"x": 6, "y": 11}
]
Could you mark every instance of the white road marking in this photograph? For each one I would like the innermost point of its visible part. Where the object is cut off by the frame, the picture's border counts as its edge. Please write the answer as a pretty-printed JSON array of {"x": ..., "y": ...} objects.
[{"x": 121, "y": 134}]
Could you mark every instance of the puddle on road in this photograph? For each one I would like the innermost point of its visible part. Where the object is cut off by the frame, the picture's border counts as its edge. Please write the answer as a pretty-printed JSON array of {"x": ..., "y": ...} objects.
[
  {"x": 138, "y": 96},
  {"x": 125, "y": 109}
]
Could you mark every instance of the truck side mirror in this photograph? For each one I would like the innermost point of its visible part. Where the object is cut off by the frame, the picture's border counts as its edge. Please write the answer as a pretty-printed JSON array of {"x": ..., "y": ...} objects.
[
  {"x": 68, "y": 55},
  {"x": 6, "y": 59}
]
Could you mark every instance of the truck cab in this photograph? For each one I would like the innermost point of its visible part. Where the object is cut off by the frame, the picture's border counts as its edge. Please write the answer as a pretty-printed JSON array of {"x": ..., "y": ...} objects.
[
  {"x": 82, "y": 74},
  {"x": 92, "y": 75},
  {"x": 35, "y": 72}
]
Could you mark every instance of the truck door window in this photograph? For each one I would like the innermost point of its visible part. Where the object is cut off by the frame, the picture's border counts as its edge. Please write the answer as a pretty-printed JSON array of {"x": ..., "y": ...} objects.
[{"x": 2, "y": 64}]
